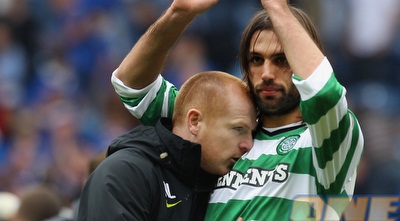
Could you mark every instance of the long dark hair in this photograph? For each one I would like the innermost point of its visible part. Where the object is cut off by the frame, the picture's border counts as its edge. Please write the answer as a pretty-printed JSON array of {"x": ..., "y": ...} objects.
[{"x": 261, "y": 21}]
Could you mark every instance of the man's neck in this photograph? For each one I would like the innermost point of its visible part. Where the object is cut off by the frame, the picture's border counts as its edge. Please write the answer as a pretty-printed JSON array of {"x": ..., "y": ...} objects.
[{"x": 272, "y": 121}]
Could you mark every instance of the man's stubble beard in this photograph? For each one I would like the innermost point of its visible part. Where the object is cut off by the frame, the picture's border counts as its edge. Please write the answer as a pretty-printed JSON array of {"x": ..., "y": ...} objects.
[{"x": 286, "y": 104}]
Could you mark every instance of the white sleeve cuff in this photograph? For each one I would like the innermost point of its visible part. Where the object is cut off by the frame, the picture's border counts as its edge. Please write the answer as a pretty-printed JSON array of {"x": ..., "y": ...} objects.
[
  {"x": 125, "y": 91},
  {"x": 316, "y": 81}
]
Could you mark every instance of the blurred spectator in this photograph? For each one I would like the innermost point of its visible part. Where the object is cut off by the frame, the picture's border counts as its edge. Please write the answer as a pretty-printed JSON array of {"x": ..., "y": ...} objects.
[
  {"x": 221, "y": 28},
  {"x": 38, "y": 204},
  {"x": 25, "y": 31},
  {"x": 12, "y": 72},
  {"x": 372, "y": 52},
  {"x": 9, "y": 204},
  {"x": 188, "y": 57},
  {"x": 26, "y": 162}
]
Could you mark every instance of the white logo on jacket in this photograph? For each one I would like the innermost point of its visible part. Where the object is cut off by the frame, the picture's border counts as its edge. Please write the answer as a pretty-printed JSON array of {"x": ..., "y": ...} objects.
[{"x": 168, "y": 191}]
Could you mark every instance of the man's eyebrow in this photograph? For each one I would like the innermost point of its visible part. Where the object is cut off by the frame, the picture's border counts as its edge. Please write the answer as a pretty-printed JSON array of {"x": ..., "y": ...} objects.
[
  {"x": 242, "y": 123},
  {"x": 279, "y": 55},
  {"x": 275, "y": 55},
  {"x": 253, "y": 52}
]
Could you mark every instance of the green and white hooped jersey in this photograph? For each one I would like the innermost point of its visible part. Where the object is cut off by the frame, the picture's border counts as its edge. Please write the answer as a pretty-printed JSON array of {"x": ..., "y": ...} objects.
[
  {"x": 316, "y": 158},
  {"x": 150, "y": 103}
]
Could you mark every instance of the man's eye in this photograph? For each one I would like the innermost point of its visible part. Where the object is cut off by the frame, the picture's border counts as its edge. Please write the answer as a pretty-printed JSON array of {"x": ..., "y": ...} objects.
[
  {"x": 256, "y": 60},
  {"x": 239, "y": 129},
  {"x": 281, "y": 61}
]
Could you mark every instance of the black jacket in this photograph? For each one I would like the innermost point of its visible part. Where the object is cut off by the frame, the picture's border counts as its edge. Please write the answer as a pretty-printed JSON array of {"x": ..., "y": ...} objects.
[{"x": 149, "y": 174}]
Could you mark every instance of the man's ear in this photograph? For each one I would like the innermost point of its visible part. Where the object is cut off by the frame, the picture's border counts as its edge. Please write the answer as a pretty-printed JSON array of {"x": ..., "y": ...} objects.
[{"x": 193, "y": 118}]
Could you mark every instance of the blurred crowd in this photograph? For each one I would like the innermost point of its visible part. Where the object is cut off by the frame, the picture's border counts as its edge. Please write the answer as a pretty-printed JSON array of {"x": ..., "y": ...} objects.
[{"x": 58, "y": 109}]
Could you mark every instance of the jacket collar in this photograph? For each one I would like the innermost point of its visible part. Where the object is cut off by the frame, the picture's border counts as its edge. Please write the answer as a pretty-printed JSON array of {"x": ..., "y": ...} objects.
[{"x": 183, "y": 157}]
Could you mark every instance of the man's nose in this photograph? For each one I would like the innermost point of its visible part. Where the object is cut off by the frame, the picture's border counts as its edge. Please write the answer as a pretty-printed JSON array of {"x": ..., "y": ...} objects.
[
  {"x": 269, "y": 71},
  {"x": 246, "y": 144}
]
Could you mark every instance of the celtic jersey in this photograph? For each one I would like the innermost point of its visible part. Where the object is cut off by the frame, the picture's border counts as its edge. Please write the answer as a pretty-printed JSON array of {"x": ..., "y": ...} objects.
[{"x": 317, "y": 156}]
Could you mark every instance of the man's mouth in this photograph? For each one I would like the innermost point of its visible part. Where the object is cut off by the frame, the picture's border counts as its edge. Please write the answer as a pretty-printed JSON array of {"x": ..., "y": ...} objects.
[{"x": 269, "y": 90}]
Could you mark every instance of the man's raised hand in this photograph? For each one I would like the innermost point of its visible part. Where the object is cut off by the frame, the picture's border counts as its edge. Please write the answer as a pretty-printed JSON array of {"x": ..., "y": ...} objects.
[{"x": 193, "y": 7}]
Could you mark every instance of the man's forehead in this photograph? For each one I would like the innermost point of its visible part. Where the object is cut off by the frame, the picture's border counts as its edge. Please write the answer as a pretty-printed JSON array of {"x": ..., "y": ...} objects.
[{"x": 265, "y": 41}]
